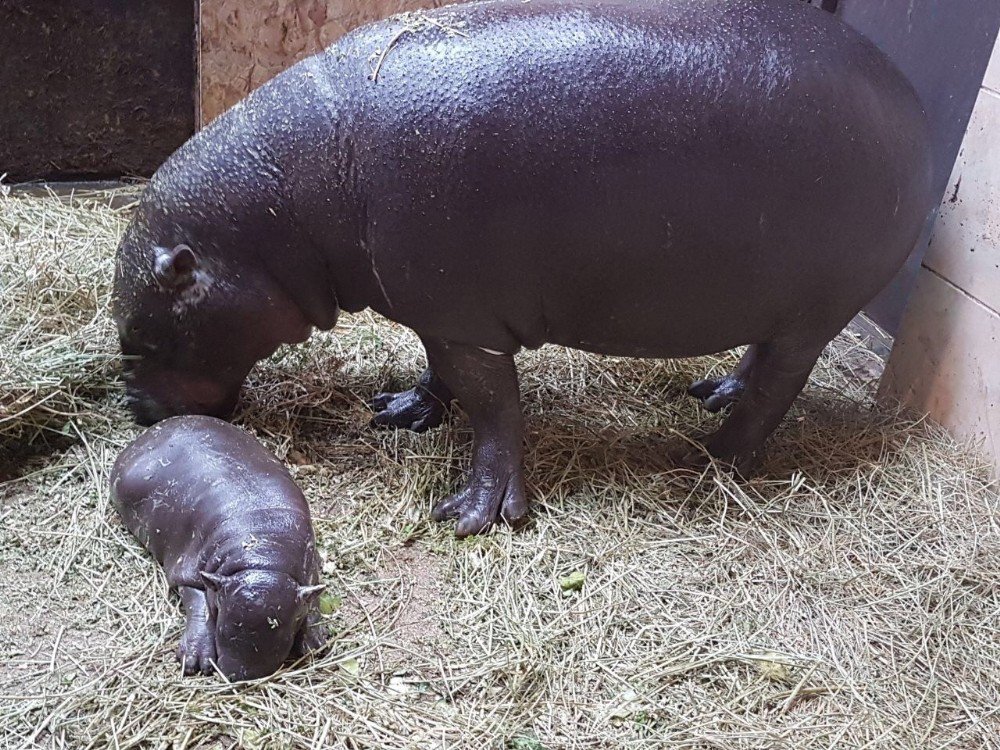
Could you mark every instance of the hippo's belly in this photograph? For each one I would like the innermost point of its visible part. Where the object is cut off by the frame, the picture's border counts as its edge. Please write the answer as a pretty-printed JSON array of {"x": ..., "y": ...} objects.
[{"x": 641, "y": 261}]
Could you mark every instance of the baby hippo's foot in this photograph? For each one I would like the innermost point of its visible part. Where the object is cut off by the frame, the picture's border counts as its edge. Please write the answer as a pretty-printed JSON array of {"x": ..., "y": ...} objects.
[
  {"x": 197, "y": 649},
  {"x": 312, "y": 636},
  {"x": 488, "y": 495},
  {"x": 716, "y": 395},
  {"x": 416, "y": 409}
]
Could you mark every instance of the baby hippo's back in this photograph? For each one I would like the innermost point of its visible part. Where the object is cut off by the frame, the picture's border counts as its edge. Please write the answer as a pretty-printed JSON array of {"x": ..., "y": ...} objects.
[{"x": 197, "y": 492}]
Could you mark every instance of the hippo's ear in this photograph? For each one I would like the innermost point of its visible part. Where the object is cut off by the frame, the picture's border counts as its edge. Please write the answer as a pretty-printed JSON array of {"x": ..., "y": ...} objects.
[
  {"x": 307, "y": 594},
  {"x": 175, "y": 268},
  {"x": 213, "y": 581}
]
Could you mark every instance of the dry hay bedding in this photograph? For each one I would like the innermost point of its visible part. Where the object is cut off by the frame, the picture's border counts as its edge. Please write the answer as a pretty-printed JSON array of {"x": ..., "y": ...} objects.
[{"x": 847, "y": 598}]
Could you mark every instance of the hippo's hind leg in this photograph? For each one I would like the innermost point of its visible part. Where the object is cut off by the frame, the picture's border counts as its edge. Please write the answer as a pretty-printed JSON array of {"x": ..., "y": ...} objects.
[
  {"x": 717, "y": 394},
  {"x": 780, "y": 371},
  {"x": 486, "y": 387},
  {"x": 197, "y": 650},
  {"x": 419, "y": 409}
]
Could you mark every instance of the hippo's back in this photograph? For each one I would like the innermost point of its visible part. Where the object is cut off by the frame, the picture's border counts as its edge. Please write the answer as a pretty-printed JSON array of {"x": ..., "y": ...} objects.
[
  {"x": 193, "y": 478},
  {"x": 648, "y": 156}
]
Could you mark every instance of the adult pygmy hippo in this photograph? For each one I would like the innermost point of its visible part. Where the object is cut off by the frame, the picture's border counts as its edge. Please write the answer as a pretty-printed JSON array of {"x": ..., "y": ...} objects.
[
  {"x": 631, "y": 177},
  {"x": 232, "y": 531}
]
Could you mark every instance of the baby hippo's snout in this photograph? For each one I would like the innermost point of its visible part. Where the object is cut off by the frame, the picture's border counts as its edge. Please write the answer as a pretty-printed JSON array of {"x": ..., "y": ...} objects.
[{"x": 258, "y": 616}]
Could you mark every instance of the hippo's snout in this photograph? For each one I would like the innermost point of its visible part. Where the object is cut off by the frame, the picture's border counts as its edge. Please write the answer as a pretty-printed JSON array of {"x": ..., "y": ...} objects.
[
  {"x": 146, "y": 411},
  {"x": 177, "y": 399},
  {"x": 236, "y": 671}
]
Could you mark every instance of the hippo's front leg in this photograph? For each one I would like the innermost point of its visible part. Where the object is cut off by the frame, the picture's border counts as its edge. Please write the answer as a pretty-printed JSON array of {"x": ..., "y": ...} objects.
[
  {"x": 419, "y": 409},
  {"x": 197, "y": 649},
  {"x": 485, "y": 384}
]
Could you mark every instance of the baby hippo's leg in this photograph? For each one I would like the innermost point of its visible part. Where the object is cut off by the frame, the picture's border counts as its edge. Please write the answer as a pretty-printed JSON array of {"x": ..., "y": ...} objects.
[
  {"x": 197, "y": 649},
  {"x": 311, "y": 636},
  {"x": 485, "y": 384}
]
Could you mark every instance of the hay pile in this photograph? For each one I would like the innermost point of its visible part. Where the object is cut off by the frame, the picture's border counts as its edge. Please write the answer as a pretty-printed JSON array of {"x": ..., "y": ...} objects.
[
  {"x": 850, "y": 597},
  {"x": 56, "y": 349}
]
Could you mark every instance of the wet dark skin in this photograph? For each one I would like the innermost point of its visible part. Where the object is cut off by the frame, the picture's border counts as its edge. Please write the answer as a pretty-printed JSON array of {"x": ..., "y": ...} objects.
[
  {"x": 647, "y": 179},
  {"x": 233, "y": 534}
]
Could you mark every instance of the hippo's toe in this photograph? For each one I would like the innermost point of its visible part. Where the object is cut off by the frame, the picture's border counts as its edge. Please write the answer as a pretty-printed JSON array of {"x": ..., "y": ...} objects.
[
  {"x": 417, "y": 410},
  {"x": 197, "y": 652},
  {"x": 479, "y": 504},
  {"x": 716, "y": 395}
]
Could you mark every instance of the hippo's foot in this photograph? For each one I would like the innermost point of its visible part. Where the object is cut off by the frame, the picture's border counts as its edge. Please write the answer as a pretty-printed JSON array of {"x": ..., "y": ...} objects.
[
  {"x": 197, "y": 649},
  {"x": 419, "y": 409},
  {"x": 486, "y": 385},
  {"x": 716, "y": 395},
  {"x": 414, "y": 410},
  {"x": 773, "y": 374},
  {"x": 479, "y": 504},
  {"x": 743, "y": 464}
]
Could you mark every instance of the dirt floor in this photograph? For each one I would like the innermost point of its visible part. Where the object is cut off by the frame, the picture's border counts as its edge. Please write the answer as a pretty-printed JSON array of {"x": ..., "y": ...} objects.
[{"x": 848, "y": 597}]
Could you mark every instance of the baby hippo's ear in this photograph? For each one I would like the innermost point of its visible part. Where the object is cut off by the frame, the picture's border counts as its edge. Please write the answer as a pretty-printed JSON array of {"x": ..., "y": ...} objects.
[
  {"x": 308, "y": 594},
  {"x": 213, "y": 581},
  {"x": 175, "y": 268}
]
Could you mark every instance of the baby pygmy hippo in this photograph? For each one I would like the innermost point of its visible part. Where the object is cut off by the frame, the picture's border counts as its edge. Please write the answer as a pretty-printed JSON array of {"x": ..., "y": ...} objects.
[{"x": 233, "y": 533}]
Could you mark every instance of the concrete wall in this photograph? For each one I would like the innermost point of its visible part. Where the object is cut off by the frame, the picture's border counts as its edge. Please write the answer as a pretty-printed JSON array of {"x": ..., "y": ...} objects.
[
  {"x": 246, "y": 42},
  {"x": 946, "y": 361}
]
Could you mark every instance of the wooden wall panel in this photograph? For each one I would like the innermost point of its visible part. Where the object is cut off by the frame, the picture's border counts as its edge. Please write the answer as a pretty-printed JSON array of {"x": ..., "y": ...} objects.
[
  {"x": 943, "y": 47},
  {"x": 246, "y": 42},
  {"x": 93, "y": 89},
  {"x": 992, "y": 79},
  {"x": 945, "y": 362}
]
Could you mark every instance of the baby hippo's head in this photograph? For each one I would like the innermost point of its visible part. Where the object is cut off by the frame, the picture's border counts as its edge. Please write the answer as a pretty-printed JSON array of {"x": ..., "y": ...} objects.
[{"x": 258, "y": 615}]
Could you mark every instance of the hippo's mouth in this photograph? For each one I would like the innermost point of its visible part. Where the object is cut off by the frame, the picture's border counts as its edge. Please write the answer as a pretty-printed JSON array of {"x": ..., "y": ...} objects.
[
  {"x": 237, "y": 670},
  {"x": 147, "y": 410}
]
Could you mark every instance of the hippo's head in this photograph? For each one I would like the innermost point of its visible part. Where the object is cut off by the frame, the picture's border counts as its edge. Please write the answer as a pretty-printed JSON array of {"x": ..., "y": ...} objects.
[
  {"x": 195, "y": 310},
  {"x": 258, "y": 614}
]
